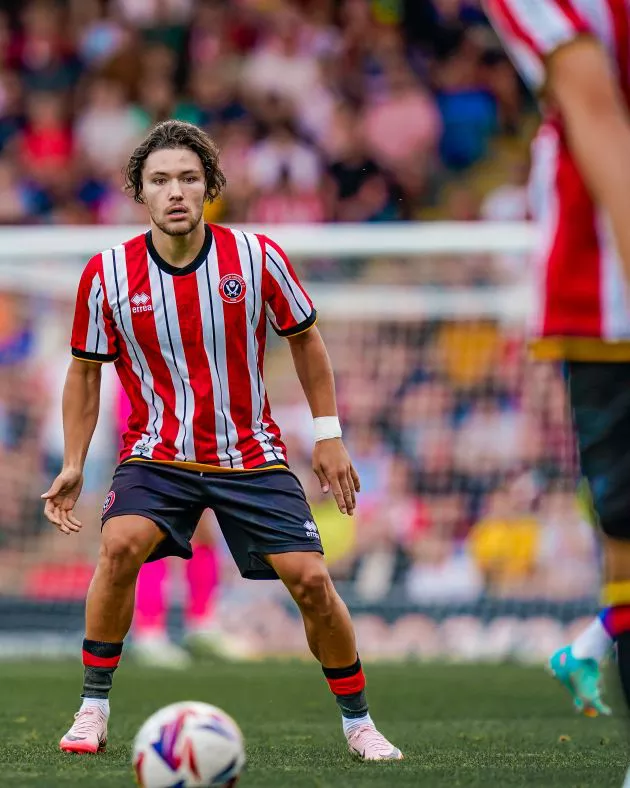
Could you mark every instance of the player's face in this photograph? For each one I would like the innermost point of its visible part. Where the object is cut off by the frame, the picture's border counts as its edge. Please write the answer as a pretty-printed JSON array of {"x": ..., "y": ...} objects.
[{"x": 173, "y": 189}]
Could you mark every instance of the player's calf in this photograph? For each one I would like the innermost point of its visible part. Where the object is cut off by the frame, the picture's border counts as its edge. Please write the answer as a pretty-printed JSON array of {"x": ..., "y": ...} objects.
[
  {"x": 109, "y": 610},
  {"x": 331, "y": 638}
]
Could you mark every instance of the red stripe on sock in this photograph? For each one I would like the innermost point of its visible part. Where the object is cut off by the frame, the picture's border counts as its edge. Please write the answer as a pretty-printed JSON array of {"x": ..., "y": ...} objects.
[
  {"x": 349, "y": 685},
  {"x": 100, "y": 662},
  {"x": 617, "y": 620}
]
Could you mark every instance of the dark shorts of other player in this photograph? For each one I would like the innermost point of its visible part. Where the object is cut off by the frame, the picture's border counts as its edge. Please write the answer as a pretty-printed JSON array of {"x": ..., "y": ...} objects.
[
  {"x": 600, "y": 400},
  {"x": 259, "y": 512}
]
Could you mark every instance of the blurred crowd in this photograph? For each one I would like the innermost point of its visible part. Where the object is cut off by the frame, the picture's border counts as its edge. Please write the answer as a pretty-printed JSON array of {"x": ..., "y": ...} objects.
[
  {"x": 464, "y": 450},
  {"x": 325, "y": 110}
]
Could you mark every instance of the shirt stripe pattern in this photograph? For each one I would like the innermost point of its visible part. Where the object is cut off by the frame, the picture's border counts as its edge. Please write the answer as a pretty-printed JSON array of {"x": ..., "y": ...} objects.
[
  {"x": 579, "y": 274},
  {"x": 96, "y": 341},
  {"x": 190, "y": 345},
  {"x": 115, "y": 270}
]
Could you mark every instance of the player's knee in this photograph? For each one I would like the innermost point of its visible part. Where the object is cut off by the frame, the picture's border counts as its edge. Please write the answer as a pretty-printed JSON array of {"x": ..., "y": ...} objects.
[
  {"x": 313, "y": 589},
  {"x": 122, "y": 555}
]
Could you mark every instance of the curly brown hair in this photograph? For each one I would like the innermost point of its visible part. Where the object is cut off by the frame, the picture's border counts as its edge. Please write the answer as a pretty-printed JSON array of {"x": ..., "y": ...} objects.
[{"x": 171, "y": 134}]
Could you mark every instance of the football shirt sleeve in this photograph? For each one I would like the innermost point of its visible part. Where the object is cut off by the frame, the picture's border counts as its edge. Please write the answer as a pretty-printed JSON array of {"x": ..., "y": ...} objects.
[
  {"x": 93, "y": 333},
  {"x": 287, "y": 303},
  {"x": 531, "y": 30}
]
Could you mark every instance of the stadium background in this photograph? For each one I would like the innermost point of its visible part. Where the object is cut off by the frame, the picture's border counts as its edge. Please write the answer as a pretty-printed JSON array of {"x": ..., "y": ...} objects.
[{"x": 470, "y": 540}]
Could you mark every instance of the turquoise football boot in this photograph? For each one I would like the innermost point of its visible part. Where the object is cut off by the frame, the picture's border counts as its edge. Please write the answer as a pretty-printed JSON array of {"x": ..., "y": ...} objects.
[{"x": 582, "y": 677}]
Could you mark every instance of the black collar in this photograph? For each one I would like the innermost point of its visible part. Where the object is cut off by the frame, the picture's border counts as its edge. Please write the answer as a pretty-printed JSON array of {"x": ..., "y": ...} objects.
[{"x": 187, "y": 269}]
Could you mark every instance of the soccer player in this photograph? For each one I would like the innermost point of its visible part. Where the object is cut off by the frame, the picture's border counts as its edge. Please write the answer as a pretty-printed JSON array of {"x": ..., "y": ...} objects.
[
  {"x": 182, "y": 312},
  {"x": 576, "y": 55}
]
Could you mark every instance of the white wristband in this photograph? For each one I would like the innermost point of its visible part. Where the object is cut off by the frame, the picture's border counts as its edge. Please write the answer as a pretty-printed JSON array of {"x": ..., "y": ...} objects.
[{"x": 326, "y": 427}]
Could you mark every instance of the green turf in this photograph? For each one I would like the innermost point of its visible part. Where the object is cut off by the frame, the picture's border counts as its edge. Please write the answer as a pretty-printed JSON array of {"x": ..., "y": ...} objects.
[{"x": 457, "y": 725}]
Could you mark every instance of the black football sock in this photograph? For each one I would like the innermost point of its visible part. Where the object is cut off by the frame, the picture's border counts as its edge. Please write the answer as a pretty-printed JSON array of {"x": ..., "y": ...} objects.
[
  {"x": 100, "y": 660},
  {"x": 348, "y": 687}
]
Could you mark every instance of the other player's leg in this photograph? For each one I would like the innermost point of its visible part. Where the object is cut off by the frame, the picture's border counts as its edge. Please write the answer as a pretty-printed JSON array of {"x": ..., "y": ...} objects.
[
  {"x": 151, "y": 645},
  {"x": 204, "y": 636},
  {"x": 126, "y": 542},
  {"x": 578, "y": 666},
  {"x": 600, "y": 401}
]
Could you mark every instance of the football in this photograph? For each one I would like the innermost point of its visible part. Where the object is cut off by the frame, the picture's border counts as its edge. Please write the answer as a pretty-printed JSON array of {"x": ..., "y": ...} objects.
[{"x": 188, "y": 745}]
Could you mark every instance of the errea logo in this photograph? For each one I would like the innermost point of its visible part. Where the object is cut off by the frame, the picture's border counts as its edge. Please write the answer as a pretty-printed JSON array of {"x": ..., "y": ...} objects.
[
  {"x": 141, "y": 303},
  {"x": 311, "y": 529}
]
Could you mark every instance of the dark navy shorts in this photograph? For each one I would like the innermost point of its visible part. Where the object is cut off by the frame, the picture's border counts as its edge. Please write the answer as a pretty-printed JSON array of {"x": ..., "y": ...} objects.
[
  {"x": 259, "y": 512},
  {"x": 600, "y": 400}
]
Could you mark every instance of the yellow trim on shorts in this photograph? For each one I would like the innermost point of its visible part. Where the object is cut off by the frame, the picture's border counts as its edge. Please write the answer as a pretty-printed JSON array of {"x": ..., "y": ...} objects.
[
  {"x": 579, "y": 349},
  {"x": 615, "y": 594},
  {"x": 201, "y": 468}
]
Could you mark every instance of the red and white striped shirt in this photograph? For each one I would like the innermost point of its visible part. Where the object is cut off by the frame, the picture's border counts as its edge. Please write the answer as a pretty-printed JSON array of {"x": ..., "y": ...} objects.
[
  {"x": 189, "y": 343},
  {"x": 582, "y": 311}
]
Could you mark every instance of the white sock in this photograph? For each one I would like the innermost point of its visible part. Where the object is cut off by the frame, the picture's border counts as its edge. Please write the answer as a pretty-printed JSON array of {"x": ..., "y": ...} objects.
[
  {"x": 593, "y": 643},
  {"x": 350, "y": 723},
  {"x": 99, "y": 703}
]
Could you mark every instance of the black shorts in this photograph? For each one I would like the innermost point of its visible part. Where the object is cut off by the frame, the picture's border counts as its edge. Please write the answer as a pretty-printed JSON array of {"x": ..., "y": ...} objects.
[
  {"x": 600, "y": 400},
  {"x": 259, "y": 512}
]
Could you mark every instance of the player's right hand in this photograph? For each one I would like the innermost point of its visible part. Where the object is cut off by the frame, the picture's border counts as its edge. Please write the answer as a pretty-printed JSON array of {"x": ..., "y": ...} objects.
[{"x": 61, "y": 498}]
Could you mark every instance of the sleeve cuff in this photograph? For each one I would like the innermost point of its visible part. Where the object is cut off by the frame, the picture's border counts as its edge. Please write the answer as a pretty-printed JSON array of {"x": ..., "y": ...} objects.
[
  {"x": 300, "y": 327},
  {"x": 100, "y": 358}
]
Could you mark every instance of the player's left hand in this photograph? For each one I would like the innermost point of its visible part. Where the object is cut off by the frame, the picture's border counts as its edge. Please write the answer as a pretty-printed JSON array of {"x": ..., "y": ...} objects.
[{"x": 333, "y": 468}]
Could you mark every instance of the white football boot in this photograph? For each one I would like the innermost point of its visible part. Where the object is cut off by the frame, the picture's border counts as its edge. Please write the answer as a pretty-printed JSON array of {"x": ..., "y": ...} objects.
[
  {"x": 370, "y": 745},
  {"x": 88, "y": 733}
]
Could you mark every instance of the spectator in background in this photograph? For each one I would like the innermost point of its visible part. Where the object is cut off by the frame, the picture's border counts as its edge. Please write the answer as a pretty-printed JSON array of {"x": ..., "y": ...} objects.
[
  {"x": 287, "y": 203},
  {"x": 282, "y": 65},
  {"x": 506, "y": 545},
  {"x": 402, "y": 130},
  {"x": 359, "y": 190},
  {"x": 43, "y": 51},
  {"x": 99, "y": 34},
  {"x": 107, "y": 128},
  {"x": 46, "y": 143},
  {"x": 467, "y": 107},
  {"x": 282, "y": 154}
]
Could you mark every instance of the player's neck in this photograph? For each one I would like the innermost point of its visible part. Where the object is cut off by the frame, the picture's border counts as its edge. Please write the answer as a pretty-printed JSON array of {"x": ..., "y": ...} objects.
[{"x": 179, "y": 250}]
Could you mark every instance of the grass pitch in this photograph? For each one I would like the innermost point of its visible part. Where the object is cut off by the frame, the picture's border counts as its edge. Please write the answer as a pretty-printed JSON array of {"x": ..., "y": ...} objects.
[{"x": 457, "y": 725}]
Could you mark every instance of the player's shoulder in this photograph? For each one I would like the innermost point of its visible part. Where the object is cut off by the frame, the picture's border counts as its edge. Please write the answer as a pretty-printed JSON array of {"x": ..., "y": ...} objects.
[
  {"x": 224, "y": 230},
  {"x": 108, "y": 256},
  {"x": 252, "y": 237}
]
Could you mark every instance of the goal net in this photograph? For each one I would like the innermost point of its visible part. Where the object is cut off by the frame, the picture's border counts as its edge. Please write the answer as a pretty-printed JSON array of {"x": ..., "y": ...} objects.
[{"x": 473, "y": 538}]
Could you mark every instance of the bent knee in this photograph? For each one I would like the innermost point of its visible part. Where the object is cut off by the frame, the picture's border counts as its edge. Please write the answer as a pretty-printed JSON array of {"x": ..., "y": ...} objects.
[
  {"x": 313, "y": 588},
  {"x": 123, "y": 551}
]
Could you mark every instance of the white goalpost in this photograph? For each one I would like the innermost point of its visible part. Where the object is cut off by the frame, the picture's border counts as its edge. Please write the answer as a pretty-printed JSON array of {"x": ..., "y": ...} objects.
[{"x": 49, "y": 259}]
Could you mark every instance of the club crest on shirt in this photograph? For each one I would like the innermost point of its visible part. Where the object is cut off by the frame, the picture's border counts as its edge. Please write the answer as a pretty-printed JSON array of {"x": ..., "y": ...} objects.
[
  {"x": 109, "y": 500},
  {"x": 232, "y": 288}
]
